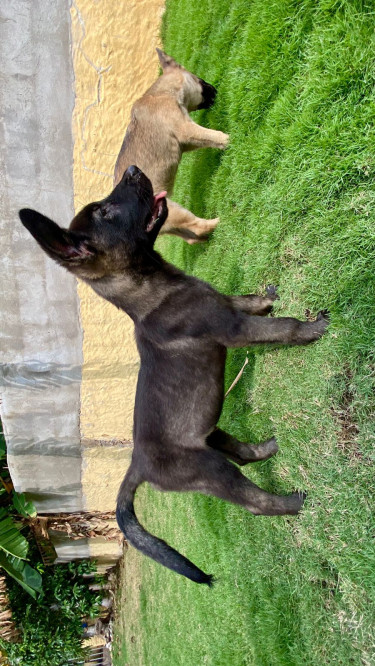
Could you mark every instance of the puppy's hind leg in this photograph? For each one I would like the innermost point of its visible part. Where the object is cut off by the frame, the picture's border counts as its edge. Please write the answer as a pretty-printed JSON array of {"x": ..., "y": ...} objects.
[
  {"x": 183, "y": 223},
  {"x": 209, "y": 472},
  {"x": 239, "y": 452}
]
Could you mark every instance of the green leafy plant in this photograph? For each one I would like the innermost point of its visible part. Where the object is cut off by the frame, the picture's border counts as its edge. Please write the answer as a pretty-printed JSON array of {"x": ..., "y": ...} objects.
[
  {"x": 14, "y": 545},
  {"x": 13, "y": 550},
  {"x": 11, "y": 541},
  {"x": 23, "y": 507},
  {"x": 52, "y": 624}
]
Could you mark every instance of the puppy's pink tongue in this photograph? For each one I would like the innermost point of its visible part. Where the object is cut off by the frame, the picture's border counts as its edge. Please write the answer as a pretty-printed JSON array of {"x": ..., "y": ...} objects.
[{"x": 159, "y": 196}]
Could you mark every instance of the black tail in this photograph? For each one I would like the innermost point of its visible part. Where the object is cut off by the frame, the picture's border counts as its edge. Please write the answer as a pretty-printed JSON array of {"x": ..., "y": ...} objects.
[{"x": 147, "y": 543}]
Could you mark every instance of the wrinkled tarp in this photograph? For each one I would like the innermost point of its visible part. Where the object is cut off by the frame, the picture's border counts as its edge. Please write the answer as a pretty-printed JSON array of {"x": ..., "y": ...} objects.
[{"x": 41, "y": 338}]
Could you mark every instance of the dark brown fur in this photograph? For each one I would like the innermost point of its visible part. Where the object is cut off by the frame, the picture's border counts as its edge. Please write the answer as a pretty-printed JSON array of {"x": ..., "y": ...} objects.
[{"x": 183, "y": 327}]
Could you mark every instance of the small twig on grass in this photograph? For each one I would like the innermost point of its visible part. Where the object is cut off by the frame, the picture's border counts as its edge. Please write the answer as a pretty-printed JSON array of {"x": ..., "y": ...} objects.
[{"x": 237, "y": 379}]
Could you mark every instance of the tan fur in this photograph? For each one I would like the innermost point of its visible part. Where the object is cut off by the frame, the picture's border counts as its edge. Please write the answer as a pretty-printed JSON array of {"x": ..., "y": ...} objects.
[{"x": 160, "y": 131}]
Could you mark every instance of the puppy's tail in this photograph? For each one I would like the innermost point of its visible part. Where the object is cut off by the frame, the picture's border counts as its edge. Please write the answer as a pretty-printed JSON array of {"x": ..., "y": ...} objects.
[{"x": 147, "y": 543}]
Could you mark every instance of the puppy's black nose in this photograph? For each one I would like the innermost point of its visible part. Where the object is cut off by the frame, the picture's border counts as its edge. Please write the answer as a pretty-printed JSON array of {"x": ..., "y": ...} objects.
[
  {"x": 209, "y": 93},
  {"x": 132, "y": 171}
]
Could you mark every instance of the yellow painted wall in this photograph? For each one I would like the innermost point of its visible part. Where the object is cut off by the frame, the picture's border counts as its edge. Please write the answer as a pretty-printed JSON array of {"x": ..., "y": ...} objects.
[
  {"x": 103, "y": 469},
  {"x": 114, "y": 63}
]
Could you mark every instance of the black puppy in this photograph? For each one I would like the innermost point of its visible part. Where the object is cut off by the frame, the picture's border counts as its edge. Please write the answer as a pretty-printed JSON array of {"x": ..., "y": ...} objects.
[{"x": 182, "y": 327}]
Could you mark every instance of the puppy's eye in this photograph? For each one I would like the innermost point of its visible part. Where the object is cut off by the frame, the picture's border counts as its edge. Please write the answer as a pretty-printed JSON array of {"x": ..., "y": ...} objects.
[{"x": 106, "y": 212}]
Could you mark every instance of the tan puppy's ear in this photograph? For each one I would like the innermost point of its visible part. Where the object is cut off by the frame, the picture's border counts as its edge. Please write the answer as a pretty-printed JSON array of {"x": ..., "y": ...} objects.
[{"x": 166, "y": 60}]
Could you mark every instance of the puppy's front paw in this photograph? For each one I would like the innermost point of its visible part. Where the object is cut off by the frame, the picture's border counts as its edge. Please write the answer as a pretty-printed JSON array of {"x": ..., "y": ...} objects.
[
  {"x": 296, "y": 501},
  {"x": 271, "y": 292},
  {"x": 201, "y": 229},
  {"x": 267, "y": 449},
  {"x": 323, "y": 321},
  {"x": 224, "y": 141},
  {"x": 310, "y": 331},
  {"x": 323, "y": 314}
]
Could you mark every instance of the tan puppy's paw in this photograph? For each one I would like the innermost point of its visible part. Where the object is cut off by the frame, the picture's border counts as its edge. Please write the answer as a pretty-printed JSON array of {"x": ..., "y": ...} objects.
[
  {"x": 211, "y": 224},
  {"x": 226, "y": 141},
  {"x": 220, "y": 140},
  {"x": 201, "y": 229}
]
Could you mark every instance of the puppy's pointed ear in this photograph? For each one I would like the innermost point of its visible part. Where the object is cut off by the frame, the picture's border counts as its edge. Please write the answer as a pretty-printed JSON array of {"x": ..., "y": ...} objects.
[
  {"x": 66, "y": 247},
  {"x": 166, "y": 60}
]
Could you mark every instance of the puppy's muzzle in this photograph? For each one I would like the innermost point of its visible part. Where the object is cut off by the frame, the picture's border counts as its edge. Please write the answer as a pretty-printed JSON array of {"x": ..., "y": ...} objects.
[
  {"x": 132, "y": 173},
  {"x": 135, "y": 176}
]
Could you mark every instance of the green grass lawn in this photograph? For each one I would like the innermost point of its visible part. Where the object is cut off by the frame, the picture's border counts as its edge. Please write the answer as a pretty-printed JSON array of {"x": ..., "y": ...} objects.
[{"x": 295, "y": 194}]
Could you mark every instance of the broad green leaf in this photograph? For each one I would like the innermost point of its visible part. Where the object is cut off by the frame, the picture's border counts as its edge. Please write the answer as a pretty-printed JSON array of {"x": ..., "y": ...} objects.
[
  {"x": 11, "y": 540},
  {"x": 32, "y": 578},
  {"x": 23, "y": 506},
  {"x": 16, "y": 568}
]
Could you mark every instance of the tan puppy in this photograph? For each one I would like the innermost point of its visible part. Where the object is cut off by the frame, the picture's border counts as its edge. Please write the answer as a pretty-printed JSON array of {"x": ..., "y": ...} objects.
[{"x": 161, "y": 130}]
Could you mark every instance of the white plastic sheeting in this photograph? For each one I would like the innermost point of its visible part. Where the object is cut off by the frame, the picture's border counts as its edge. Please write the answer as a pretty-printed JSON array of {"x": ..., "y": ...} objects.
[{"x": 41, "y": 340}]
